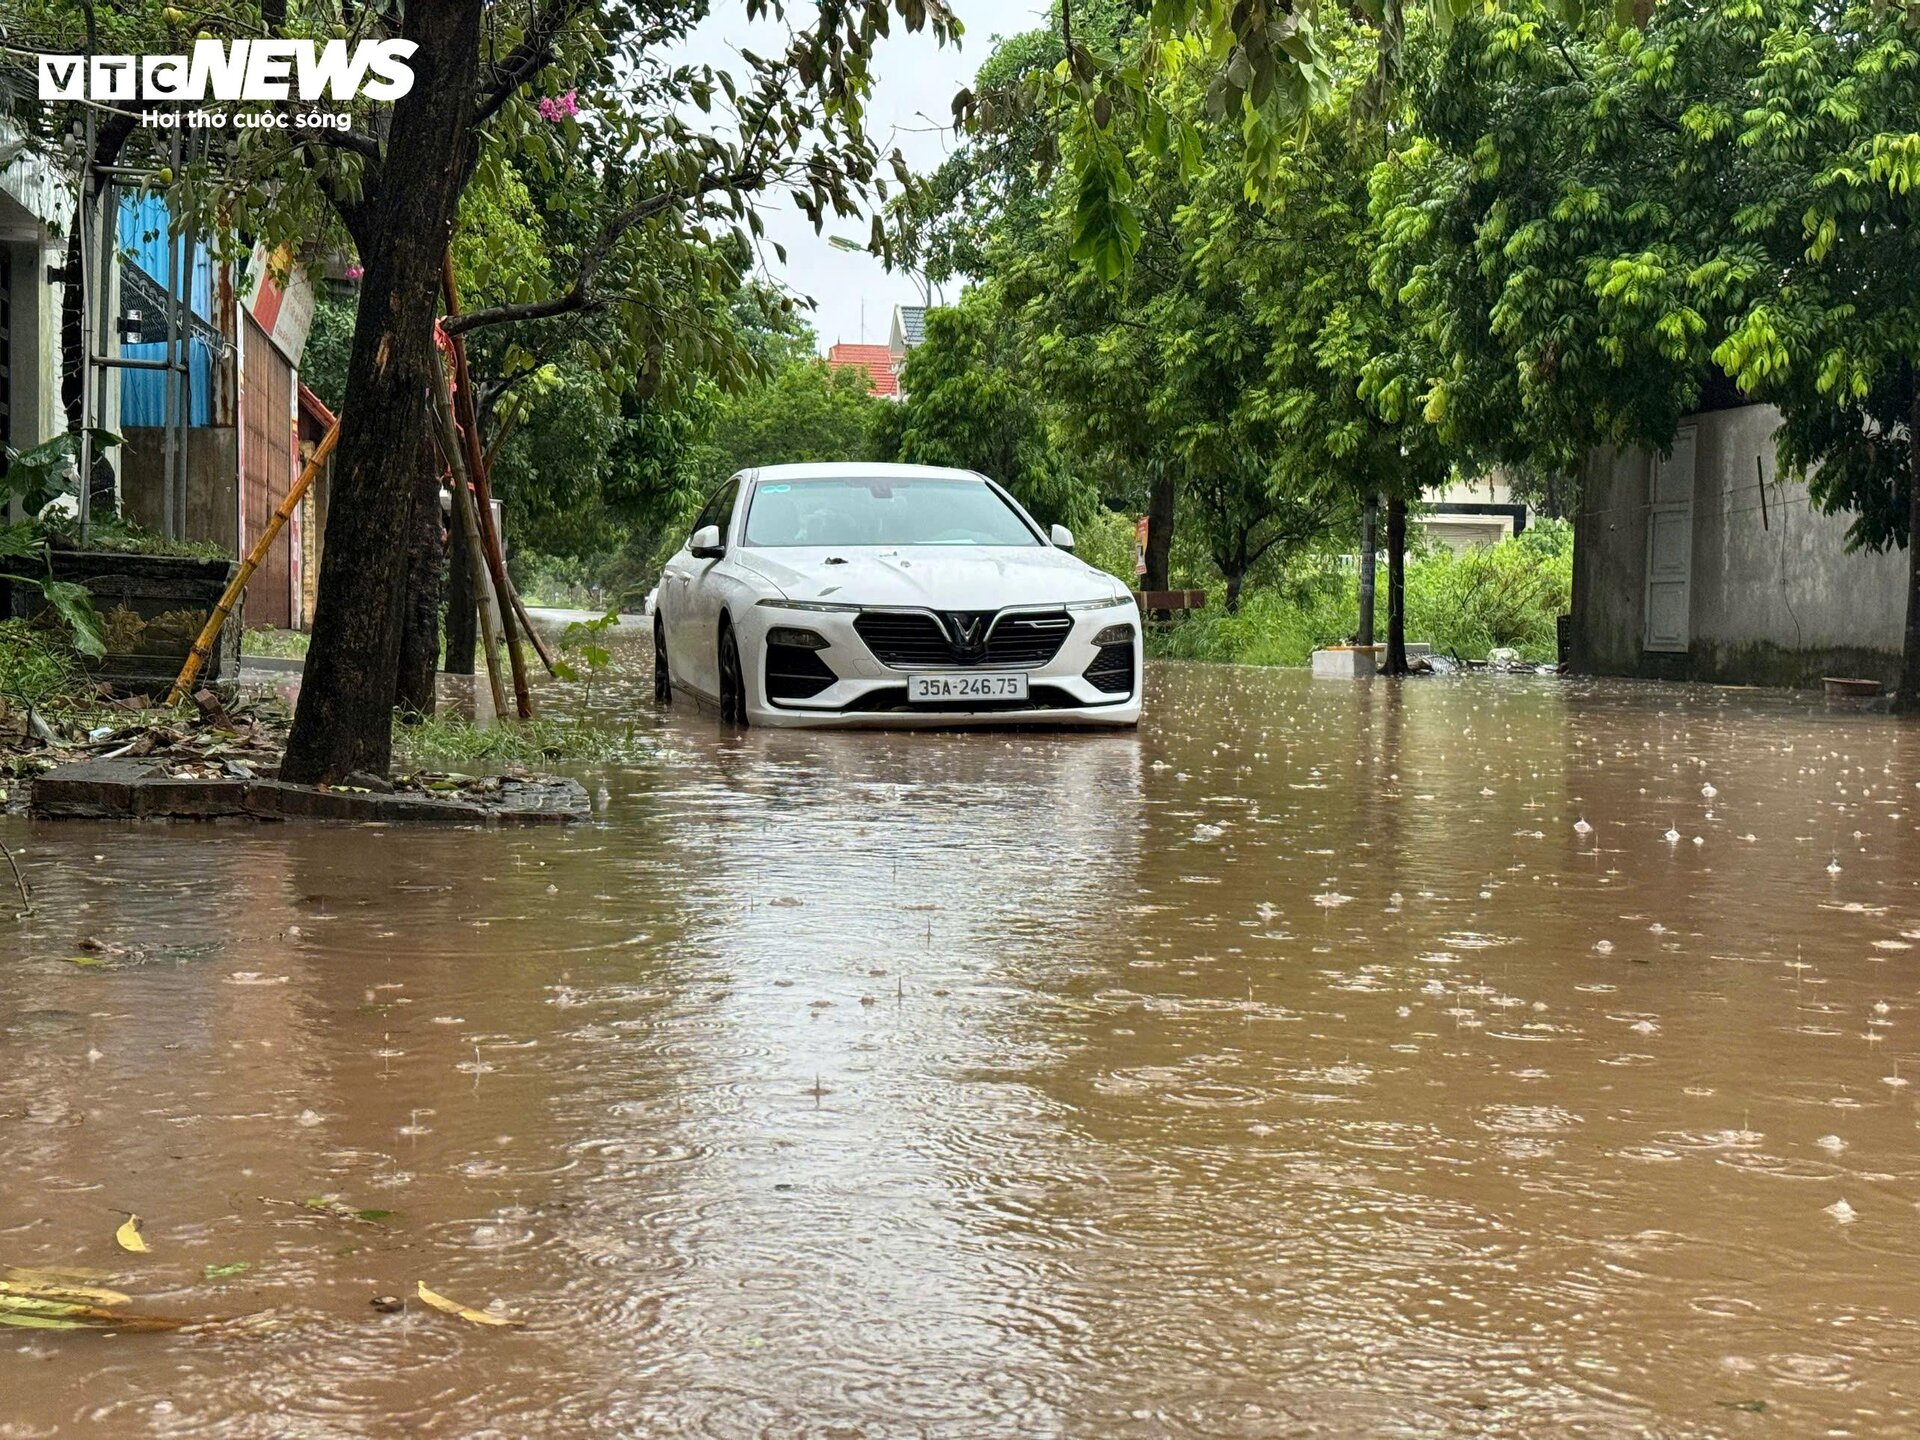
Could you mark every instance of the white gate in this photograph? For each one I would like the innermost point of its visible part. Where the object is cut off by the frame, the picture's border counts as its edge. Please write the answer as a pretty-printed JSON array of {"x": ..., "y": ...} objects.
[{"x": 1670, "y": 546}]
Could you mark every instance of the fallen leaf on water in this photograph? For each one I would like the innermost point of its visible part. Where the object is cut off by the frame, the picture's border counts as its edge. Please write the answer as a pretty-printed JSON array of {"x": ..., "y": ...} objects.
[
  {"x": 57, "y": 1290},
  {"x": 221, "y": 1272},
  {"x": 454, "y": 1307},
  {"x": 128, "y": 1237},
  {"x": 49, "y": 1305}
]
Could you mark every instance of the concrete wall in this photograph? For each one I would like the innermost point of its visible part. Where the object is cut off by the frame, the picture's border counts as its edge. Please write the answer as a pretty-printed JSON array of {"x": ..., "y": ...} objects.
[{"x": 1775, "y": 598}]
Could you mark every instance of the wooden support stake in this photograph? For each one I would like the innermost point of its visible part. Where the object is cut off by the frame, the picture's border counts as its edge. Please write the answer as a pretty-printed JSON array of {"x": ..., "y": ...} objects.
[
  {"x": 463, "y": 508},
  {"x": 203, "y": 646},
  {"x": 467, "y": 416}
]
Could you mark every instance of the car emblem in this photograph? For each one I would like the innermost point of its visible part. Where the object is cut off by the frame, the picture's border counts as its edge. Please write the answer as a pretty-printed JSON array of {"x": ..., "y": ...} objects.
[{"x": 968, "y": 632}]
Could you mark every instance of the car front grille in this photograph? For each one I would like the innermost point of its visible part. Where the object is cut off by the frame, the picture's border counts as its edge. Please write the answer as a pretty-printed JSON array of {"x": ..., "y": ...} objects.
[
  {"x": 909, "y": 640},
  {"x": 1028, "y": 639},
  {"x": 903, "y": 640},
  {"x": 1111, "y": 672},
  {"x": 796, "y": 673}
]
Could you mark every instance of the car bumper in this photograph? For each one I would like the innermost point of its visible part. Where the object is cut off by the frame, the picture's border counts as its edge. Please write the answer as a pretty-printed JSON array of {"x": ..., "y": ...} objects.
[{"x": 868, "y": 693}]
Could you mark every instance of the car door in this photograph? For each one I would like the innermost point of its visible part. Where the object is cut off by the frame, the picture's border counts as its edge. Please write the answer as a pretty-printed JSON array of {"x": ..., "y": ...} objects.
[{"x": 703, "y": 590}]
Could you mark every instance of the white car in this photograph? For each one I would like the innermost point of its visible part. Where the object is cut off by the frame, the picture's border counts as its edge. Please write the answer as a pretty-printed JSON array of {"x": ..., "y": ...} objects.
[{"x": 861, "y": 594}]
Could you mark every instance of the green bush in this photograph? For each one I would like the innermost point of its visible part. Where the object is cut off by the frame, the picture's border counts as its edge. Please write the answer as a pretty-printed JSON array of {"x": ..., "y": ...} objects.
[
  {"x": 1105, "y": 541},
  {"x": 1275, "y": 625},
  {"x": 1508, "y": 594}
]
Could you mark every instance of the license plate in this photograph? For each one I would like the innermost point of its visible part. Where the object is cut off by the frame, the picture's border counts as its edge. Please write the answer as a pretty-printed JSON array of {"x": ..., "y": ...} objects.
[{"x": 932, "y": 689}]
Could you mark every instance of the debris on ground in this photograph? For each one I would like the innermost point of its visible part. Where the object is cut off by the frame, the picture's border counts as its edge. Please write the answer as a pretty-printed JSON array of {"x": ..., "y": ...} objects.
[{"x": 64, "y": 1300}]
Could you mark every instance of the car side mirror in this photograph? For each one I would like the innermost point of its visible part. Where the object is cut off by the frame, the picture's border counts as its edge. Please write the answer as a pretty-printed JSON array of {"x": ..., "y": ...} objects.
[
  {"x": 705, "y": 544},
  {"x": 1062, "y": 537}
]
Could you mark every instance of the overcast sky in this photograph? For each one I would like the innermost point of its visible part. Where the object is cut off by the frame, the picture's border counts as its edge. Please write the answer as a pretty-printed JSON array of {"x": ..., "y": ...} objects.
[{"x": 915, "y": 82}]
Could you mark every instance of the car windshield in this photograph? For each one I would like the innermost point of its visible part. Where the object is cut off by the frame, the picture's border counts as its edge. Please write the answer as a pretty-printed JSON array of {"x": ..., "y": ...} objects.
[{"x": 882, "y": 511}]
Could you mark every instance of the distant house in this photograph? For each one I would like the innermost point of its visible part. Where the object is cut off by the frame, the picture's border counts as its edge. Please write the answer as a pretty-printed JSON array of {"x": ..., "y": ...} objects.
[
  {"x": 1707, "y": 564},
  {"x": 909, "y": 329},
  {"x": 237, "y": 428},
  {"x": 1470, "y": 513},
  {"x": 876, "y": 360},
  {"x": 35, "y": 207}
]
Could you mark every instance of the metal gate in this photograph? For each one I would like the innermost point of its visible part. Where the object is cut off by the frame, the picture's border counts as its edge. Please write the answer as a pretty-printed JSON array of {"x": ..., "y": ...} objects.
[
  {"x": 267, "y": 471},
  {"x": 6, "y": 354}
]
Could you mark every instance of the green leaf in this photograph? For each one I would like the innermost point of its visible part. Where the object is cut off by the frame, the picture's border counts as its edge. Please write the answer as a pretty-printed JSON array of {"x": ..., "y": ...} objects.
[{"x": 74, "y": 605}]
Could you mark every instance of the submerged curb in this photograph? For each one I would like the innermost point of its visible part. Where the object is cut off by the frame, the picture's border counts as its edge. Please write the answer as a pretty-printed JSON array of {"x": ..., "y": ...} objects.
[{"x": 143, "y": 790}]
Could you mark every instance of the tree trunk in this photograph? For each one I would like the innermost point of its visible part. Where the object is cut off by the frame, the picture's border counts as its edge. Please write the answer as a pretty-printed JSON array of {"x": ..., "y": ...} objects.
[
  {"x": 1369, "y": 518},
  {"x": 344, "y": 722},
  {"x": 420, "y": 620},
  {"x": 1159, "y": 529},
  {"x": 1396, "y": 587},
  {"x": 460, "y": 612},
  {"x": 1237, "y": 576},
  {"x": 1907, "y": 698}
]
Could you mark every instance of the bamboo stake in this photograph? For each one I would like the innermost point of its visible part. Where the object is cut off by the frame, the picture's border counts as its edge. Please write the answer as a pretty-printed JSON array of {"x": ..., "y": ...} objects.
[
  {"x": 540, "y": 646},
  {"x": 467, "y": 414},
  {"x": 203, "y": 646},
  {"x": 463, "y": 506}
]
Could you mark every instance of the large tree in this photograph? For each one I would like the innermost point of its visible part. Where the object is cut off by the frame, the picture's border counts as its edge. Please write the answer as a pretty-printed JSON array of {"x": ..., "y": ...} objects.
[
  {"x": 1588, "y": 220},
  {"x": 651, "y": 158}
]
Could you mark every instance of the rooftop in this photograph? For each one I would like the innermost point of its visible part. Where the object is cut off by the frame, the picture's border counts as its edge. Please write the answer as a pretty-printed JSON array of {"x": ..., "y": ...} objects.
[{"x": 876, "y": 360}]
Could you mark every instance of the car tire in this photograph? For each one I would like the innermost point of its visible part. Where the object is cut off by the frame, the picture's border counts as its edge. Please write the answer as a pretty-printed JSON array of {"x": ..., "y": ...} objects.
[
  {"x": 733, "y": 684},
  {"x": 662, "y": 676}
]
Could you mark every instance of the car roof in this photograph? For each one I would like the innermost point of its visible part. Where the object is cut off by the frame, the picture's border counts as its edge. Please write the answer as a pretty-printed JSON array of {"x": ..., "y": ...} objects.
[{"x": 858, "y": 470}]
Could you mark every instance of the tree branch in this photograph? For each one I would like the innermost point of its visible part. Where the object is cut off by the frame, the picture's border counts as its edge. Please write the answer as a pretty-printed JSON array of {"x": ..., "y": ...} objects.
[
  {"x": 527, "y": 59},
  {"x": 580, "y": 296}
]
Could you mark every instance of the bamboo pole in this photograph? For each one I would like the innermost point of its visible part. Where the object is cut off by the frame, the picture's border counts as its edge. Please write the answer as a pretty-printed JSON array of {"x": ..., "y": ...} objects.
[
  {"x": 467, "y": 416},
  {"x": 203, "y": 646},
  {"x": 463, "y": 507},
  {"x": 540, "y": 646}
]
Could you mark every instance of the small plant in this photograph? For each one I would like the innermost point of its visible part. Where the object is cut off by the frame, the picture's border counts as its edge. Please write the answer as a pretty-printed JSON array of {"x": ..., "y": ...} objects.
[
  {"x": 447, "y": 742},
  {"x": 274, "y": 644},
  {"x": 39, "y": 478},
  {"x": 585, "y": 638}
]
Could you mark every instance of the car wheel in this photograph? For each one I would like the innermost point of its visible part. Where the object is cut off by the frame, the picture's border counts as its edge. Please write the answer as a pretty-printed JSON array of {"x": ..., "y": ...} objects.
[
  {"x": 662, "y": 677},
  {"x": 733, "y": 685}
]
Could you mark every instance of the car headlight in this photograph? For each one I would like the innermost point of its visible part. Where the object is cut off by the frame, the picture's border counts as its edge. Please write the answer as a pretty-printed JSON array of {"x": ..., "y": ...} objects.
[
  {"x": 819, "y": 605},
  {"x": 1106, "y": 604},
  {"x": 1115, "y": 635}
]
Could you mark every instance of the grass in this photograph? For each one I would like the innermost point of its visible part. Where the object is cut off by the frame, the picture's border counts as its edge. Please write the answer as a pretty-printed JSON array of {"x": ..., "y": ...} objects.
[
  {"x": 447, "y": 742},
  {"x": 274, "y": 644},
  {"x": 126, "y": 537},
  {"x": 1510, "y": 595},
  {"x": 36, "y": 669}
]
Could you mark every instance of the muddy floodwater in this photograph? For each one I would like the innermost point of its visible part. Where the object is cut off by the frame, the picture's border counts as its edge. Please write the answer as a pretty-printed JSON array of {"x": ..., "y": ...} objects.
[{"x": 1477, "y": 1057}]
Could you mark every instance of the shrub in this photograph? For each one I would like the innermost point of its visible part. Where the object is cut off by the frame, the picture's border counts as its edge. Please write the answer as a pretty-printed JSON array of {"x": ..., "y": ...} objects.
[{"x": 1508, "y": 594}]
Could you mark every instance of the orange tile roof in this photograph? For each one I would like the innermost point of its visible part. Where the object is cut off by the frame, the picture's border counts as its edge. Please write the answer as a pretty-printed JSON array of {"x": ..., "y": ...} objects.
[{"x": 876, "y": 360}]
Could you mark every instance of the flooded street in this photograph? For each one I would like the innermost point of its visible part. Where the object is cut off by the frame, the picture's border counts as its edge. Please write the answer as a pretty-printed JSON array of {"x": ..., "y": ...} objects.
[{"x": 1480, "y": 1057}]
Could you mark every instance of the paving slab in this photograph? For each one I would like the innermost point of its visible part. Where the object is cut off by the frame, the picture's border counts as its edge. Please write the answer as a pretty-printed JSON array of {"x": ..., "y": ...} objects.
[{"x": 130, "y": 789}]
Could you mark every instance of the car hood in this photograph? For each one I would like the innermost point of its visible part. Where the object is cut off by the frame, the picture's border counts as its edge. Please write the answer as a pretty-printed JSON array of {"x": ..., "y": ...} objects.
[{"x": 936, "y": 577}]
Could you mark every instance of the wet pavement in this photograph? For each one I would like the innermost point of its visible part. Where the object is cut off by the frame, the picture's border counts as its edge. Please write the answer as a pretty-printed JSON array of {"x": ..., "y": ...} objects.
[{"x": 1477, "y": 1057}]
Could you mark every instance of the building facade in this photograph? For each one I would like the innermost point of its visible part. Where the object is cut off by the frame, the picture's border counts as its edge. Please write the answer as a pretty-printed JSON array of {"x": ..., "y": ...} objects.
[
  {"x": 1708, "y": 564},
  {"x": 34, "y": 206}
]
